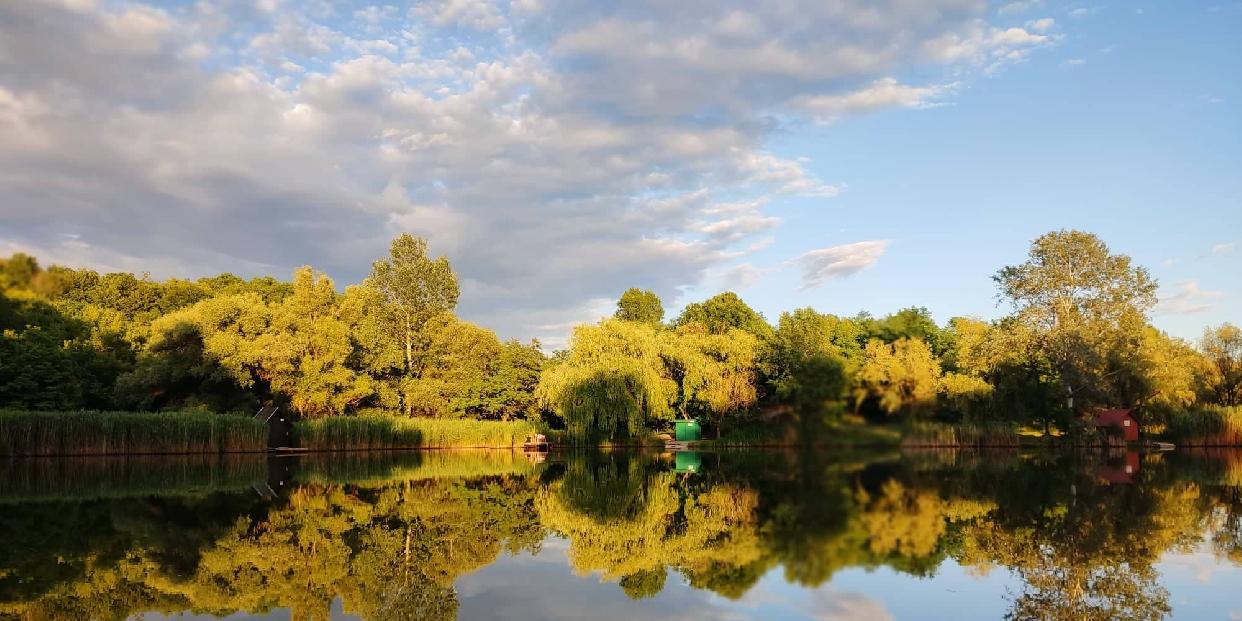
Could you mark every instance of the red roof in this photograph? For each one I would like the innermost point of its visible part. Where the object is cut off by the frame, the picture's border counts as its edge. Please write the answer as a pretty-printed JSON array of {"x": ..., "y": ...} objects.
[{"x": 1112, "y": 417}]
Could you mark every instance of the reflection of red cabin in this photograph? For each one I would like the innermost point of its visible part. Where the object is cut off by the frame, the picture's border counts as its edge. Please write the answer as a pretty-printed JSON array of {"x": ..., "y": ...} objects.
[
  {"x": 1123, "y": 474},
  {"x": 1121, "y": 419}
]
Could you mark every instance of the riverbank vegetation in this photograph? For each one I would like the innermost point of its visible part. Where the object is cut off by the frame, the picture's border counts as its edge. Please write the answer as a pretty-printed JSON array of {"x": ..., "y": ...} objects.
[
  {"x": 1078, "y": 338},
  {"x": 105, "y": 433},
  {"x": 342, "y": 433}
]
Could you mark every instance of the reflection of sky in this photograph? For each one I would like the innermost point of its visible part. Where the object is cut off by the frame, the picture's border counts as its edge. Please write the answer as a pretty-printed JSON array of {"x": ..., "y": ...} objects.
[
  {"x": 1202, "y": 586},
  {"x": 545, "y": 587},
  {"x": 522, "y": 587}
]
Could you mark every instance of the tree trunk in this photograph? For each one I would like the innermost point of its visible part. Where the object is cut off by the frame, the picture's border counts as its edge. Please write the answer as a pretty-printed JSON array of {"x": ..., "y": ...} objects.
[{"x": 409, "y": 365}]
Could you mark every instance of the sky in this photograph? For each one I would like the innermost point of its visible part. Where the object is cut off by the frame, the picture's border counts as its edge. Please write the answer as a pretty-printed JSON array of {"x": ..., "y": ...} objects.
[{"x": 844, "y": 155}]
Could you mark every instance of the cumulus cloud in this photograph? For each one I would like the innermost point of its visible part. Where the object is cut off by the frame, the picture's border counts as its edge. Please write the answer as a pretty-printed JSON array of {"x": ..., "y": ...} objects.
[
  {"x": 555, "y": 150},
  {"x": 883, "y": 93},
  {"x": 830, "y": 604},
  {"x": 1188, "y": 298},
  {"x": 740, "y": 277},
  {"x": 1020, "y": 6},
  {"x": 825, "y": 264}
]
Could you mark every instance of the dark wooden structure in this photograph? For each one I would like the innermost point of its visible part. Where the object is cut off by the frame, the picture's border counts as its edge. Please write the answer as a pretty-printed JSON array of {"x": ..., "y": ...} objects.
[
  {"x": 279, "y": 427},
  {"x": 1122, "y": 420}
]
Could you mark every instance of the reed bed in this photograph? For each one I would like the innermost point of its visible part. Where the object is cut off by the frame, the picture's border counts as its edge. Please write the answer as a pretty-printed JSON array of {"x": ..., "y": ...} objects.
[
  {"x": 27, "y": 433},
  {"x": 1211, "y": 426},
  {"x": 965, "y": 435},
  {"x": 349, "y": 433}
]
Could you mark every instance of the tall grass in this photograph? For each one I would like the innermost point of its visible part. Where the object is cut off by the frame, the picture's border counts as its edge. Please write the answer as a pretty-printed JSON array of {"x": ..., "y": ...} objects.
[
  {"x": 963, "y": 435},
  {"x": 1209, "y": 426},
  {"x": 347, "y": 433},
  {"x": 116, "y": 433}
]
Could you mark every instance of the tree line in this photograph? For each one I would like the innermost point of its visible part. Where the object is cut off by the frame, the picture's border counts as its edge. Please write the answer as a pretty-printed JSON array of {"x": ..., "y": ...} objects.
[{"x": 1078, "y": 337}]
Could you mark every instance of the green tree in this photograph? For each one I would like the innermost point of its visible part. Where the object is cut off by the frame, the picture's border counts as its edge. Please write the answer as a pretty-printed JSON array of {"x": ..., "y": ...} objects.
[
  {"x": 900, "y": 377},
  {"x": 1223, "y": 347},
  {"x": 914, "y": 322},
  {"x": 715, "y": 372},
  {"x": 640, "y": 305},
  {"x": 804, "y": 334},
  {"x": 456, "y": 360},
  {"x": 304, "y": 351},
  {"x": 18, "y": 271},
  {"x": 612, "y": 383},
  {"x": 724, "y": 311},
  {"x": 509, "y": 392},
  {"x": 416, "y": 287},
  {"x": 1079, "y": 301}
]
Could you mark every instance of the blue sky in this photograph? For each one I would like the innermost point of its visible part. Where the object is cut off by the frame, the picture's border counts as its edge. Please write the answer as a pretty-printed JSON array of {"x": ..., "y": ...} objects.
[{"x": 846, "y": 156}]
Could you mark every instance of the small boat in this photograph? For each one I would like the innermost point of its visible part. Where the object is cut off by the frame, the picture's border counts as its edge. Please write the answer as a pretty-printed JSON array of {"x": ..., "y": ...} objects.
[{"x": 536, "y": 442}]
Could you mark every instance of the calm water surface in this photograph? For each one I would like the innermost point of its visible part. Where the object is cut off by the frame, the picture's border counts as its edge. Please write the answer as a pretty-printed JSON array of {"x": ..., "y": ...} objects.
[{"x": 745, "y": 535}]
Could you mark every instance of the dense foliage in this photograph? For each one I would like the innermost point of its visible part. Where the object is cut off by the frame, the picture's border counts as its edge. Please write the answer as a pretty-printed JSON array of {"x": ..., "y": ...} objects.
[
  {"x": 1078, "y": 338},
  {"x": 73, "y": 339}
]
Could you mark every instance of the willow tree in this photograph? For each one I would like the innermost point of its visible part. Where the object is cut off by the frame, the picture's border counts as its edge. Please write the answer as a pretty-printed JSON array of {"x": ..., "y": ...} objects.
[
  {"x": 416, "y": 288},
  {"x": 1080, "y": 301},
  {"x": 612, "y": 383},
  {"x": 715, "y": 372}
]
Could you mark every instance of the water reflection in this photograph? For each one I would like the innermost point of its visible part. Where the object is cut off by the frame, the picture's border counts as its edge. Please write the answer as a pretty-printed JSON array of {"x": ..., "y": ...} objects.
[{"x": 402, "y": 536}]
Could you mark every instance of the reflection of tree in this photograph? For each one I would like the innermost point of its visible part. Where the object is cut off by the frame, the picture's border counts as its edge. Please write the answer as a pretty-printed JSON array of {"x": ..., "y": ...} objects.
[
  {"x": 392, "y": 550},
  {"x": 1090, "y": 555},
  {"x": 630, "y": 520}
]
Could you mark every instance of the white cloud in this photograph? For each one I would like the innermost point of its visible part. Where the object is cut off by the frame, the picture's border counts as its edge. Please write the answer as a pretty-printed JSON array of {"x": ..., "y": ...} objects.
[
  {"x": 740, "y": 277},
  {"x": 1074, "y": 62},
  {"x": 1041, "y": 25},
  {"x": 1219, "y": 249},
  {"x": 1083, "y": 11},
  {"x": 825, "y": 264},
  {"x": 555, "y": 149},
  {"x": 476, "y": 14},
  {"x": 1188, "y": 299},
  {"x": 1020, "y": 6},
  {"x": 883, "y": 93}
]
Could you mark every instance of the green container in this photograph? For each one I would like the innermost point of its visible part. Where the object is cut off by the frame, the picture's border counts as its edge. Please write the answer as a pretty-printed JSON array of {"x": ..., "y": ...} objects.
[
  {"x": 687, "y": 461},
  {"x": 688, "y": 430}
]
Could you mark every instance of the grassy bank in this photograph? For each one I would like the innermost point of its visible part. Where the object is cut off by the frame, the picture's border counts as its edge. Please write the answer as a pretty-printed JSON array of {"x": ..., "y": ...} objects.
[
  {"x": 346, "y": 433},
  {"x": 1208, "y": 426},
  {"x": 113, "y": 433}
]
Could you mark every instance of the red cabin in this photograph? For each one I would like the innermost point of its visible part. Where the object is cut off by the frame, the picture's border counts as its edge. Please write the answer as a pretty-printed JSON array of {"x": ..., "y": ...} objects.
[{"x": 1120, "y": 419}]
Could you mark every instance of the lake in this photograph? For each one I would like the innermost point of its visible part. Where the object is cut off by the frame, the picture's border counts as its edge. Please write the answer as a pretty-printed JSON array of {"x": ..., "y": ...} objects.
[{"x": 624, "y": 535}]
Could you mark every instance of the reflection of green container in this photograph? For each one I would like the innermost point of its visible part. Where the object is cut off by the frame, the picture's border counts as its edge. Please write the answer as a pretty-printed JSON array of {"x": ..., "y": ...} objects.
[
  {"x": 688, "y": 461},
  {"x": 687, "y": 430}
]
